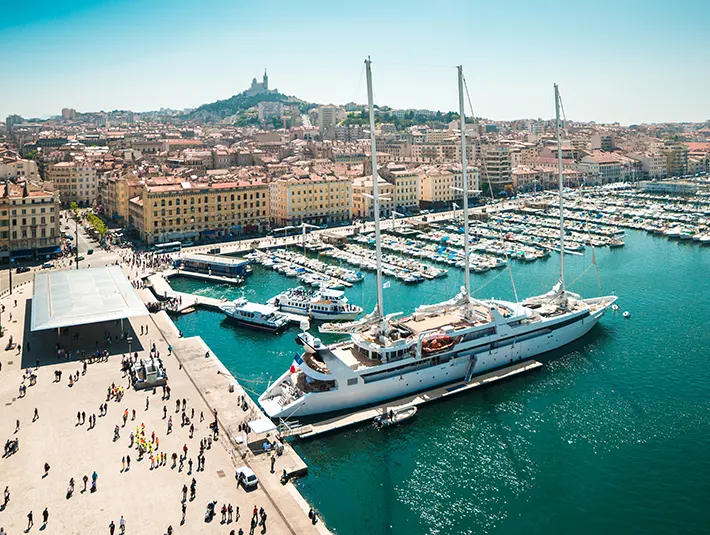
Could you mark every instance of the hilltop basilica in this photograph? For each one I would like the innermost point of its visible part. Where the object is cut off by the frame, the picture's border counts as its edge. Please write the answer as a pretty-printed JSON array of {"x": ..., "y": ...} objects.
[{"x": 260, "y": 88}]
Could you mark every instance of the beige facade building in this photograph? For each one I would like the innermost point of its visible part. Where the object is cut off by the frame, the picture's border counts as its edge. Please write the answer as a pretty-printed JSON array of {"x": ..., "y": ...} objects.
[
  {"x": 312, "y": 198},
  {"x": 363, "y": 206},
  {"x": 439, "y": 186},
  {"x": 166, "y": 211},
  {"x": 15, "y": 168},
  {"x": 29, "y": 222},
  {"x": 442, "y": 151},
  {"x": 496, "y": 167},
  {"x": 74, "y": 181},
  {"x": 116, "y": 193}
]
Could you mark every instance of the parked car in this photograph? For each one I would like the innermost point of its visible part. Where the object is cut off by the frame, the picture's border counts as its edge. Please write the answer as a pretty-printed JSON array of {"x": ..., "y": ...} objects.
[
  {"x": 22, "y": 269},
  {"x": 80, "y": 258},
  {"x": 246, "y": 477},
  {"x": 48, "y": 265}
]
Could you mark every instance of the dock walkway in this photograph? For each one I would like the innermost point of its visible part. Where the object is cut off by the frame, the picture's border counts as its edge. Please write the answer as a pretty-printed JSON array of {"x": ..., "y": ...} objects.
[
  {"x": 162, "y": 289},
  {"x": 365, "y": 415}
]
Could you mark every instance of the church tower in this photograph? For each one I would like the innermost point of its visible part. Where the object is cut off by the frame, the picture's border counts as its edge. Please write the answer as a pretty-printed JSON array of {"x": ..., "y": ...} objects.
[{"x": 266, "y": 81}]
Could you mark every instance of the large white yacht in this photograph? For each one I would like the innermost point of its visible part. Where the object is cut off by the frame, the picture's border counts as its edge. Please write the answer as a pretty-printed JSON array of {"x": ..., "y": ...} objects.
[
  {"x": 437, "y": 344},
  {"x": 323, "y": 304},
  {"x": 388, "y": 357}
]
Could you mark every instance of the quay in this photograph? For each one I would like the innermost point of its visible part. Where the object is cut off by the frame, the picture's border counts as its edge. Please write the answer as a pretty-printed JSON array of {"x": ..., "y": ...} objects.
[
  {"x": 148, "y": 498},
  {"x": 367, "y": 415}
]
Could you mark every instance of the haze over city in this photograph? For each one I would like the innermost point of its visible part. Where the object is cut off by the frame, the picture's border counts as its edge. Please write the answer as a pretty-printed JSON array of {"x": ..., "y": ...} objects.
[{"x": 627, "y": 62}]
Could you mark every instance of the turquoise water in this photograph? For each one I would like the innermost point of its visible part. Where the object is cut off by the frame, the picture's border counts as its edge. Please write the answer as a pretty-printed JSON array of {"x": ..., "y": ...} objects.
[{"x": 612, "y": 434}]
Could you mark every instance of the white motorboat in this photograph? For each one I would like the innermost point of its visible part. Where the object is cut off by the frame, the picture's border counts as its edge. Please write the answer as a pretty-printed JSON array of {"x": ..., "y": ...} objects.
[
  {"x": 394, "y": 416},
  {"x": 264, "y": 317}
]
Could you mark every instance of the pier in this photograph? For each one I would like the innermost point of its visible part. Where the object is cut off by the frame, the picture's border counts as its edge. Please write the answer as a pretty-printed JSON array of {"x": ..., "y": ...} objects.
[{"x": 367, "y": 415}]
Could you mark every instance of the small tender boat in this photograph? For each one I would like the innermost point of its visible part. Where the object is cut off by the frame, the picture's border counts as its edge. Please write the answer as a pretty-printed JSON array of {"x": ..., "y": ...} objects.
[
  {"x": 627, "y": 314},
  {"x": 394, "y": 416},
  {"x": 187, "y": 310}
]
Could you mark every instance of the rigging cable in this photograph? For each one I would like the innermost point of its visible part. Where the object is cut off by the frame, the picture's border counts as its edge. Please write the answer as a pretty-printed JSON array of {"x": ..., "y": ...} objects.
[{"x": 462, "y": 128}]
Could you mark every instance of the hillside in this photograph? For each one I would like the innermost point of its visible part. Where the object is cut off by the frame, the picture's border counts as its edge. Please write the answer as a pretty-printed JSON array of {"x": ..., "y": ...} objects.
[{"x": 237, "y": 107}]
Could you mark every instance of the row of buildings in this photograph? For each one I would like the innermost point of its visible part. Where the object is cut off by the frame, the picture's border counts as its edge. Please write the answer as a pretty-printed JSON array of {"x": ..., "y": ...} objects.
[{"x": 169, "y": 179}]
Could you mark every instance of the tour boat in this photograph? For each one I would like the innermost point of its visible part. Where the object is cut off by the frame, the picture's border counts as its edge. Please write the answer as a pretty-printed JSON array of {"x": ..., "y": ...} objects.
[
  {"x": 388, "y": 357},
  {"x": 264, "y": 317},
  {"x": 324, "y": 304}
]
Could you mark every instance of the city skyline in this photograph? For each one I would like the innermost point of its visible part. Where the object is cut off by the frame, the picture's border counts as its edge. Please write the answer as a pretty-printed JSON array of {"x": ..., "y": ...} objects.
[{"x": 629, "y": 63}]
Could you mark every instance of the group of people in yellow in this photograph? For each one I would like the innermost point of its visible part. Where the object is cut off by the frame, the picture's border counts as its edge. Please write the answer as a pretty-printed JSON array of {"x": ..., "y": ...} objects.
[{"x": 149, "y": 447}]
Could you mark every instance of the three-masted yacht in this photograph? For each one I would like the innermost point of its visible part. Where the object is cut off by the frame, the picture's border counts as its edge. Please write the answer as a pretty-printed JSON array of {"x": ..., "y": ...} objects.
[{"x": 387, "y": 357}]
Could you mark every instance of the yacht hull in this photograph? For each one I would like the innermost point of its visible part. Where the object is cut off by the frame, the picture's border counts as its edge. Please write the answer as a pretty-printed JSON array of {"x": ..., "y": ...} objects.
[{"x": 366, "y": 393}]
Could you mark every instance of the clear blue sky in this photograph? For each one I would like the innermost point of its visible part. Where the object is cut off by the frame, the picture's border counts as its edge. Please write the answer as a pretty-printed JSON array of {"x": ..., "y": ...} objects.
[{"x": 630, "y": 61}]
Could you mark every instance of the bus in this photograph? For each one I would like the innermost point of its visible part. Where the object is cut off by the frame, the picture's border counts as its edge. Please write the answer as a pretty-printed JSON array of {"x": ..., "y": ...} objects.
[{"x": 170, "y": 247}]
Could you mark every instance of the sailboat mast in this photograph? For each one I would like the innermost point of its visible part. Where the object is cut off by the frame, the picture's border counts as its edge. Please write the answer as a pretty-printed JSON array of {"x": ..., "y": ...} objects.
[
  {"x": 561, "y": 185},
  {"x": 464, "y": 185},
  {"x": 375, "y": 191}
]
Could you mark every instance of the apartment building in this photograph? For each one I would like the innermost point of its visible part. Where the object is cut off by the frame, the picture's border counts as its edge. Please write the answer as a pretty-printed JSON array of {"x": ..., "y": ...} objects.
[
  {"x": 600, "y": 168},
  {"x": 311, "y": 198},
  {"x": 116, "y": 192},
  {"x": 167, "y": 211},
  {"x": 676, "y": 159},
  {"x": 363, "y": 206},
  {"x": 17, "y": 168},
  {"x": 29, "y": 222},
  {"x": 406, "y": 188},
  {"x": 496, "y": 167},
  {"x": 74, "y": 181},
  {"x": 653, "y": 164}
]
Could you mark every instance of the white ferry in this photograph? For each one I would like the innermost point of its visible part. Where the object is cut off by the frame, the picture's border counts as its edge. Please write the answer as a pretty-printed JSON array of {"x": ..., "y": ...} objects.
[
  {"x": 323, "y": 304},
  {"x": 264, "y": 317}
]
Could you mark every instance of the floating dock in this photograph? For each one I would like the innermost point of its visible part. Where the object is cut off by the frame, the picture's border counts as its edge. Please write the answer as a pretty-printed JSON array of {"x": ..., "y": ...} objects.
[{"x": 367, "y": 415}]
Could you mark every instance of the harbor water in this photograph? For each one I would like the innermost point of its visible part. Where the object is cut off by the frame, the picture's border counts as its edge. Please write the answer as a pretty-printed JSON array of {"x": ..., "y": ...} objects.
[{"x": 612, "y": 434}]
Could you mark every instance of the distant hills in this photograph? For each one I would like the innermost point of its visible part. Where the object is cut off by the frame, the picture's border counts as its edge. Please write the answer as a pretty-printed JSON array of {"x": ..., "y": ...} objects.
[{"x": 236, "y": 109}]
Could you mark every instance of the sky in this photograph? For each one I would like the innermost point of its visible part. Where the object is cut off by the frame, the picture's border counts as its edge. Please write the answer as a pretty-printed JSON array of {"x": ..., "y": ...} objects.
[{"x": 627, "y": 61}]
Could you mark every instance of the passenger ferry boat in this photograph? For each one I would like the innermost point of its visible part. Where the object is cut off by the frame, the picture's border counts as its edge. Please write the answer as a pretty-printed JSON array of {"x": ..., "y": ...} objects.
[
  {"x": 387, "y": 358},
  {"x": 323, "y": 304},
  {"x": 264, "y": 317}
]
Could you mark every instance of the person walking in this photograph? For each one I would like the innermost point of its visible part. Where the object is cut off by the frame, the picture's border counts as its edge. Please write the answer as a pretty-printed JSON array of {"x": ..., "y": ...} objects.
[
  {"x": 86, "y": 481},
  {"x": 45, "y": 516},
  {"x": 184, "y": 493},
  {"x": 147, "y": 402},
  {"x": 36, "y": 415},
  {"x": 17, "y": 426},
  {"x": 46, "y": 469},
  {"x": 6, "y": 497},
  {"x": 273, "y": 461},
  {"x": 165, "y": 412},
  {"x": 128, "y": 463},
  {"x": 224, "y": 513},
  {"x": 230, "y": 511},
  {"x": 30, "y": 521},
  {"x": 111, "y": 527},
  {"x": 123, "y": 464},
  {"x": 122, "y": 525},
  {"x": 184, "y": 509}
]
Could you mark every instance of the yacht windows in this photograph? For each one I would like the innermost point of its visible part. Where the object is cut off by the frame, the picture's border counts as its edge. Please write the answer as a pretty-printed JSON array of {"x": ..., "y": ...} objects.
[{"x": 352, "y": 382}]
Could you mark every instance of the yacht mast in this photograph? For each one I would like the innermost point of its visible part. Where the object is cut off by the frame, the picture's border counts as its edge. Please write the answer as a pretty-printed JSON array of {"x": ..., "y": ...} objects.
[
  {"x": 464, "y": 185},
  {"x": 560, "y": 183},
  {"x": 375, "y": 192}
]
